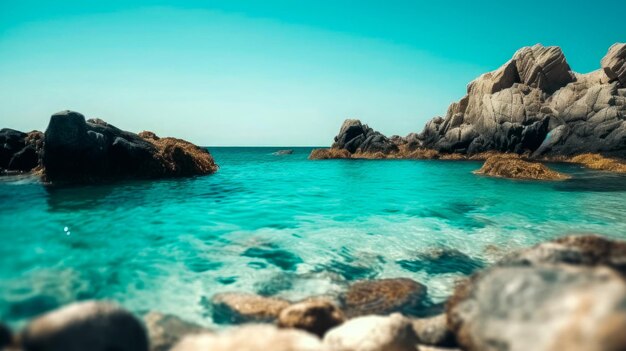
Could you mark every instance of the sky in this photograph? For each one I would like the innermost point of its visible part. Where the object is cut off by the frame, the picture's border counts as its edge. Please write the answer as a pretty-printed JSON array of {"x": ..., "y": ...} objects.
[{"x": 273, "y": 72}]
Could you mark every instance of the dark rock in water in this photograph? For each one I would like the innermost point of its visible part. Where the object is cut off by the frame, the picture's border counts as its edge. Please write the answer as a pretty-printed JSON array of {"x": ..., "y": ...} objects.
[
  {"x": 76, "y": 150},
  {"x": 11, "y": 142},
  {"x": 434, "y": 331},
  {"x": 543, "y": 308},
  {"x": 278, "y": 257},
  {"x": 25, "y": 159},
  {"x": 382, "y": 296},
  {"x": 614, "y": 63},
  {"x": 19, "y": 151},
  {"x": 254, "y": 337},
  {"x": 165, "y": 330},
  {"x": 283, "y": 152},
  {"x": 94, "y": 326},
  {"x": 356, "y": 137},
  {"x": 316, "y": 316},
  {"x": 580, "y": 250},
  {"x": 6, "y": 337},
  {"x": 441, "y": 261},
  {"x": 242, "y": 308}
]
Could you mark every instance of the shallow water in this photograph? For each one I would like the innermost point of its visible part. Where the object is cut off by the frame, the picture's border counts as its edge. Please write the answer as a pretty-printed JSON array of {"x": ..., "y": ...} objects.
[{"x": 279, "y": 225}]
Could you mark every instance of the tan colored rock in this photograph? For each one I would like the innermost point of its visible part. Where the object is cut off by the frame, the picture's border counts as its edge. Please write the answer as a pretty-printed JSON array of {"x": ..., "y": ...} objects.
[
  {"x": 243, "y": 307},
  {"x": 543, "y": 67},
  {"x": 373, "y": 333},
  {"x": 252, "y": 338},
  {"x": 599, "y": 162},
  {"x": 614, "y": 63},
  {"x": 382, "y": 296},
  {"x": 325, "y": 154},
  {"x": 315, "y": 316},
  {"x": 165, "y": 330},
  {"x": 433, "y": 331},
  {"x": 513, "y": 167}
]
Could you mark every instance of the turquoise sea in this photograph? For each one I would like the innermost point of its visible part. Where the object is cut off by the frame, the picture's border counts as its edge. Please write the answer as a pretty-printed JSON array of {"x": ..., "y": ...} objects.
[{"x": 279, "y": 225}]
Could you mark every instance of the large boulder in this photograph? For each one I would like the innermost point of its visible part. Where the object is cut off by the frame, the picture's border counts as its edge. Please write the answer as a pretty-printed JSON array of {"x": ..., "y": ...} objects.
[
  {"x": 316, "y": 316},
  {"x": 614, "y": 63},
  {"x": 19, "y": 151},
  {"x": 252, "y": 338},
  {"x": 373, "y": 333},
  {"x": 357, "y": 137},
  {"x": 94, "y": 326},
  {"x": 76, "y": 150},
  {"x": 542, "y": 308},
  {"x": 383, "y": 296},
  {"x": 232, "y": 307}
]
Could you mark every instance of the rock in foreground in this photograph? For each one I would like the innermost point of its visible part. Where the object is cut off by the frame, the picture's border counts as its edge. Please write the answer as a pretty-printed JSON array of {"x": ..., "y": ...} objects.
[
  {"x": 165, "y": 330},
  {"x": 316, "y": 316},
  {"x": 545, "y": 308},
  {"x": 513, "y": 167},
  {"x": 76, "y": 150},
  {"x": 252, "y": 338},
  {"x": 94, "y": 326},
  {"x": 242, "y": 308},
  {"x": 383, "y": 296}
]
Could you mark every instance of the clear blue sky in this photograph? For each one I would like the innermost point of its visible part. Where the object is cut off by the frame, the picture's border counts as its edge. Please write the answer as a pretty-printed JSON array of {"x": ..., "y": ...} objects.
[{"x": 273, "y": 72}]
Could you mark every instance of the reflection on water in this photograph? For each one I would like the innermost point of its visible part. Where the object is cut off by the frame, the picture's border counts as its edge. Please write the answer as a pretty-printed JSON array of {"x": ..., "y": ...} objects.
[{"x": 279, "y": 225}]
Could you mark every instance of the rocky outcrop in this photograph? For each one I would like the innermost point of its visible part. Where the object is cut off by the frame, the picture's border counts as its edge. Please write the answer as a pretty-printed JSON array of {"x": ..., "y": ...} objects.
[
  {"x": 326, "y": 154},
  {"x": 514, "y": 167},
  {"x": 252, "y": 338},
  {"x": 382, "y": 296},
  {"x": 95, "y": 326},
  {"x": 76, "y": 150},
  {"x": 19, "y": 151},
  {"x": 164, "y": 330},
  {"x": 316, "y": 316},
  {"x": 373, "y": 333},
  {"x": 534, "y": 103},
  {"x": 599, "y": 162},
  {"x": 242, "y": 308}
]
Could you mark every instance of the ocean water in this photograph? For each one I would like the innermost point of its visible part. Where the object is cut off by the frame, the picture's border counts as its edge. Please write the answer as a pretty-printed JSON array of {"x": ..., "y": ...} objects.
[{"x": 282, "y": 226}]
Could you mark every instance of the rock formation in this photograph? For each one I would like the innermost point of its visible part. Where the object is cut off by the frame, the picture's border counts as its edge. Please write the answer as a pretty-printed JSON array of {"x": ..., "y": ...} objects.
[
  {"x": 19, "y": 151},
  {"x": 514, "y": 167},
  {"x": 382, "y": 296},
  {"x": 534, "y": 103},
  {"x": 75, "y": 150}
]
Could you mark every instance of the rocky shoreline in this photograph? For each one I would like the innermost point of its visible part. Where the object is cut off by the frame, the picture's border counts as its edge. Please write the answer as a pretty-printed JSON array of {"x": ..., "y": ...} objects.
[
  {"x": 564, "y": 294},
  {"x": 534, "y": 106},
  {"x": 75, "y": 150}
]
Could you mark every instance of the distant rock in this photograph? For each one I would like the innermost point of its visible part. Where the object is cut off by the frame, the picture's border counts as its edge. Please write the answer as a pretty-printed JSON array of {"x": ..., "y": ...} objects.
[
  {"x": 76, "y": 150},
  {"x": 382, "y": 296},
  {"x": 93, "y": 326},
  {"x": 283, "y": 152},
  {"x": 252, "y": 338},
  {"x": 373, "y": 333},
  {"x": 325, "y": 154},
  {"x": 542, "y": 308},
  {"x": 316, "y": 316},
  {"x": 513, "y": 167},
  {"x": 165, "y": 331},
  {"x": 243, "y": 308}
]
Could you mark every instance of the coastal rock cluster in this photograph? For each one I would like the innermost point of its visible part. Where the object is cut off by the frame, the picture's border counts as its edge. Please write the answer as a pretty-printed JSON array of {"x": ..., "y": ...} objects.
[
  {"x": 534, "y": 104},
  {"x": 75, "y": 150},
  {"x": 565, "y": 294}
]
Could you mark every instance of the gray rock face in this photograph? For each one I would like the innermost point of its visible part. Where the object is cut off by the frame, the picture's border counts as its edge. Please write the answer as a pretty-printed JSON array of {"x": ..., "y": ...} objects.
[
  {"x": 94, "y": 326},
  {"x": 252, "y": 338},
  {"x": 373, "y": 333},
  {"x": 535, "y": 103},
  {"x": 541, "y": 308},
  {"x": 614, "y": 63},
  {"x": 355, "y": 136}
]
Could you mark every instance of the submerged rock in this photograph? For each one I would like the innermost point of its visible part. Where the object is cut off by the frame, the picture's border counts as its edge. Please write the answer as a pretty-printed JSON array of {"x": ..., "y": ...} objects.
[
  {"x": 94, "y": 326},
  {"x": 165, "y": 331},
  {"x": 316, "y": 316},
  {"x": 243, "y": 308},
  {"x": 548, "y": 307},
  {"x": 283, "y": 152},
  {"x": 252, "y": 338},
  {"x": 373, "y": 333},
  {"x": 513, "y": 167},
  {"x": 382, "y": 296},
  {"x": 76, "y": 150}
]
